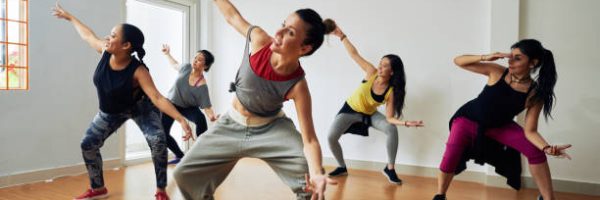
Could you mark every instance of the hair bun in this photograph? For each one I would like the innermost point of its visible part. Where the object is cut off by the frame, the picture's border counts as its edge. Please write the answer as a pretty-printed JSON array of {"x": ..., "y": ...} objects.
[{"x": 329, "y": 25}]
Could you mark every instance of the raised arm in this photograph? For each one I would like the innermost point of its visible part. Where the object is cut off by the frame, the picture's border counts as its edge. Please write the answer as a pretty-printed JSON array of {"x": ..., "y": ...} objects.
[
  {"x": 365, "y": 65},
  {"x": 259, "y": 37},
  {"x": 142, "y": 76},
  {"x": 166, "y": 49},
  {"x": 481, "y": 64},
  {"x": 84, "y": 32}
]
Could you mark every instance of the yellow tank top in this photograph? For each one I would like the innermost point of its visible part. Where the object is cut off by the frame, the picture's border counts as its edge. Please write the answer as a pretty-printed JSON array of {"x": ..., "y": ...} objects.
[{"x": 362, "y": 101}]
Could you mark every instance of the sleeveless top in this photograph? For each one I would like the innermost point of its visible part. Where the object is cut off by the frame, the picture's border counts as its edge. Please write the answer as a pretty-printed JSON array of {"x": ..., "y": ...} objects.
[
  {"x": 260, "y": 95},
  {"x": 363, "y": 101},
  {"x": 116, "y": 93}
]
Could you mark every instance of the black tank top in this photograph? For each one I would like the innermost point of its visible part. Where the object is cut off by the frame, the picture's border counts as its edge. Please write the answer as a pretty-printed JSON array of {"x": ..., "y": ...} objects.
[
  {"x": 496, "y": 105},
  {"x": 116, "y": 93}
]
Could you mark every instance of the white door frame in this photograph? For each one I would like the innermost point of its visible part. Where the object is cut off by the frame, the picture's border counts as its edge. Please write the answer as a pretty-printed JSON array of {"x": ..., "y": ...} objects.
[{"x": 190, "y": 34}]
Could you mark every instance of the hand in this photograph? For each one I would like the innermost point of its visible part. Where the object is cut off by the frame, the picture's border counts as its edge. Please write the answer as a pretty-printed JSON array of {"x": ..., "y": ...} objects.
[
  {"x": 186, "y": 129},
  {"x": 558, "y": 150},
  {"x": 166, "y": 49},
  {"x": 495, "y": 56},
  {"x": 338, "y": 32},
  {"x": 414, "y": 123},
  {"x": 316, "y": 184},
  {"x": 213, "y": 118},
  {"x": 60, "y": 13}
]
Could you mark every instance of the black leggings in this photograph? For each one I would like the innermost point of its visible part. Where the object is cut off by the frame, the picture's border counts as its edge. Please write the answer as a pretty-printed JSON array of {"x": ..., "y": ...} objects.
[{"x": 193, "y": 114}]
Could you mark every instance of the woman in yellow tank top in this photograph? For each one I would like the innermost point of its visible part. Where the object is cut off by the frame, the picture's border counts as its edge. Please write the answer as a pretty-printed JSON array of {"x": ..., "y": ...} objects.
[{"x": 382, "y": 85}]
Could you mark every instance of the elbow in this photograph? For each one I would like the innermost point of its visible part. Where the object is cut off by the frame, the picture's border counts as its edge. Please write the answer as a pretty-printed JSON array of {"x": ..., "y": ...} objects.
[
  {"x": 389, "y": 119},
  {"x": 530, "y": 132},
  {"x": 457, "y": 62},
  {"x": 155, "y": 98}
]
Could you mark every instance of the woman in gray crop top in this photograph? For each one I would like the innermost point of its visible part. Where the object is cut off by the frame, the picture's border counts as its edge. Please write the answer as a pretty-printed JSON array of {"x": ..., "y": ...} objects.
[
  {"x": 256, "y": 126},
  {"x": 189, "y": 94}
]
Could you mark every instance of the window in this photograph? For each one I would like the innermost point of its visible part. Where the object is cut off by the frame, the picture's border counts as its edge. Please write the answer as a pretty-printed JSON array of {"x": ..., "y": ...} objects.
[{"x": 14, "y": 65}]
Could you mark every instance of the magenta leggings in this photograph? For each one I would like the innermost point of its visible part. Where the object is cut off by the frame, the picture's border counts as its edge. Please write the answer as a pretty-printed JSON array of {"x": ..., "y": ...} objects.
[{"x": 464, "y": 131}]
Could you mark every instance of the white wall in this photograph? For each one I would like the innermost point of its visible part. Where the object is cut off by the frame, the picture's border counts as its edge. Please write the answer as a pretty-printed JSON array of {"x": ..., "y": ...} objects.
[
  {"x": 570, "y": 29},
  {"x": 42, "y": 128},
  {"x": 427, "y": 35}
]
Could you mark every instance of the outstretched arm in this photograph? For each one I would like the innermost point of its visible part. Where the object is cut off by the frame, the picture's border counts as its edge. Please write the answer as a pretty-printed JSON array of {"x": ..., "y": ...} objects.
[
  {"x": 532, "y": 134},
  {"x": 142, "y": 76},
  {"x": 390, "y": 116},
  {"x": 84, "y": 32}
]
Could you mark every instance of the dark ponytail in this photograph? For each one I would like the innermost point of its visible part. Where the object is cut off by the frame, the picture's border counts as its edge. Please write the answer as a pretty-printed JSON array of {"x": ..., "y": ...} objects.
[
  {"x": 134, "y": 35},
  {"x": 398, "y": 82},
  {"x": 547, "y": 76}
]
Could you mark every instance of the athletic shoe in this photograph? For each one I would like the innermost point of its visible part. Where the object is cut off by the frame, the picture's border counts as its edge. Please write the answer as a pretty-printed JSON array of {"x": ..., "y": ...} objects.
[
  {"x": 439, "y": 197},
  {"x": 161, "y": 196},
  {"x": 93, "y": 194},
  {"x": 339, "y": 171},
  {"x": 174, "y": 161},
  {"x": 390, "y": 174}
]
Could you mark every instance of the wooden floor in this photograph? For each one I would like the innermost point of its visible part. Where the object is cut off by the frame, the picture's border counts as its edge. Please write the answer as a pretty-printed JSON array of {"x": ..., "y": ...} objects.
[{"x": 253, "y": 179}]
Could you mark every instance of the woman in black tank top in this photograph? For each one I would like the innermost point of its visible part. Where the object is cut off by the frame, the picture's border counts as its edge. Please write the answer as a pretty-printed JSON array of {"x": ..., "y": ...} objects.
[
  {"x": 508, "y": 92},
  {"x": 120, "y": 80}
]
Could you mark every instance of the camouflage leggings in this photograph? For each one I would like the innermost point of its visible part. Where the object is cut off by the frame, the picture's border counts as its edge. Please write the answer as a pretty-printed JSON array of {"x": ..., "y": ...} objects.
[{"x": 147, "y": 117}]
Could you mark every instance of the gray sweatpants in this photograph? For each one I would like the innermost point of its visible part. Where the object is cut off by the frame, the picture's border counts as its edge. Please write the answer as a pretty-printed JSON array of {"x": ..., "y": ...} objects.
[
  {"x": 343, "y": 121},
  {"x": 216, "y": 152}
]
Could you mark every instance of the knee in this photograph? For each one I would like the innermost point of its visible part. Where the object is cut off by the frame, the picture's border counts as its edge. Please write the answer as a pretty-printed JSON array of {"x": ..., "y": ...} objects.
[
  {"x": 536, "y": 157},
  {"x": 90, "y": 143},
  {"x": 333, "y": 137},
  {"x": 391, "y": 131},
  {"x": 158, "y": 143}
]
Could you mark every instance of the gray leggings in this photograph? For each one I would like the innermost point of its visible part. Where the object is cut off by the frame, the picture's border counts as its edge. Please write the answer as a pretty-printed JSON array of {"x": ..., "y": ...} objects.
[
  {"x": 344, "y": 120},
  {"x": 213, "y": 156}
]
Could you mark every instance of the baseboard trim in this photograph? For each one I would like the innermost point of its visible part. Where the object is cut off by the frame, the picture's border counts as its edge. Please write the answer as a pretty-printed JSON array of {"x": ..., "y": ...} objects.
[
  {"x": 477, "y": 177},
  {"x": 49, "y": 174}
]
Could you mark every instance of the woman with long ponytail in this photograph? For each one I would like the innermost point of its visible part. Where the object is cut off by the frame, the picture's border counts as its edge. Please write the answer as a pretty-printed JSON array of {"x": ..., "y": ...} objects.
[
  {"x": 125, "y": 91},
  {"x": 483, "y": 129},
  {"x": 383, "y": 85}
]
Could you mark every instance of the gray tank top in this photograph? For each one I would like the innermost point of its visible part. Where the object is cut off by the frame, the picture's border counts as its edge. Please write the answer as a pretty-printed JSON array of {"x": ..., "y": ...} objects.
[
  {"x": 258, "y": 95},
  {"x": 184, "y": 95}
]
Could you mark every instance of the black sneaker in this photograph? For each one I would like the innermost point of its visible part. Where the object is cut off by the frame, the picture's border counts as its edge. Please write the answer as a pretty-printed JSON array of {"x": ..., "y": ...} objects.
[
  {"x": 391, "y": 176},
  {"x": 439, "y": 197},
  {"x": 339, "y": 171}
]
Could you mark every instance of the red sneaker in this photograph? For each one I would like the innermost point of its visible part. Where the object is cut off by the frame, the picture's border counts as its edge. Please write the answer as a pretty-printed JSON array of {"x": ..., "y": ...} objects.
[
  {"x": 93, "y": 194},
  {"x": 161, "y": 196}
]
